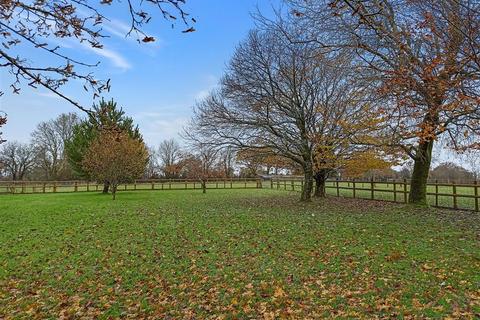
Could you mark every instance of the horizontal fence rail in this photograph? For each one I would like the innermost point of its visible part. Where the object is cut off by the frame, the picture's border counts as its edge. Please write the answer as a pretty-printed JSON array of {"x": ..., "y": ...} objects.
[
  {"x": 461, "y": 196},
  {"x": 29, "y": 187}
]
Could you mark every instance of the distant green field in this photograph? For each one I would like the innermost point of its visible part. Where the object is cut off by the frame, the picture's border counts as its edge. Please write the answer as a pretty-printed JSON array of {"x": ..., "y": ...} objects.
[{"x": 233, "y": 254}]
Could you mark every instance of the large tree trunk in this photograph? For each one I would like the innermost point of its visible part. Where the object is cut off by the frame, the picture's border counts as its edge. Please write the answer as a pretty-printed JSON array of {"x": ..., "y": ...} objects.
[
  {"x": 320, "y": 179},
  {"x": 106, "y": 186},
  {"x": 308, "y": 183},
  {"x": 421, "y": 168}
]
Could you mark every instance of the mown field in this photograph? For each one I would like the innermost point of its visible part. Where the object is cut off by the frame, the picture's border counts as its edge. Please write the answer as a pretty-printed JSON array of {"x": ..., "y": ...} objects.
[{"x": 233, "y": 254}]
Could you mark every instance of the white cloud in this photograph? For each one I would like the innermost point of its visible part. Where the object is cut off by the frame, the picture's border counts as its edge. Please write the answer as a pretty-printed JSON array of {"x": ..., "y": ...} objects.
[
  {"x": 116, "y": 28},
  {"x": 114, "y": 57},
  {"x": 202, "y": 94},
  {"x": 157, "y": 126},
  {"x": 48, "y": 95}
]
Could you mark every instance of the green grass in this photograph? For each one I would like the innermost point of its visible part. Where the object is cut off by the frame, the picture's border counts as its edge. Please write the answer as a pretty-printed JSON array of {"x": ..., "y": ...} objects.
[{"x": 233, "y": 253}]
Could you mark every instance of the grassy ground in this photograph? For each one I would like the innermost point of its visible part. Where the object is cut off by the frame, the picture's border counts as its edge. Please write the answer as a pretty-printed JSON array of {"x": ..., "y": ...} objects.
[{"x": 233, "y": 253}]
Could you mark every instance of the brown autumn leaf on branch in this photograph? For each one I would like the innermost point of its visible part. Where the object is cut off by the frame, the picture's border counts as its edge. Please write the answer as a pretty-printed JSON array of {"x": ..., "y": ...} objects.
[
  {"x": 148, "y": 39},
  {"x": 3, "y": 121},
  {"x": 192, "y": 29},
  {"x": 41, "y": 25}
]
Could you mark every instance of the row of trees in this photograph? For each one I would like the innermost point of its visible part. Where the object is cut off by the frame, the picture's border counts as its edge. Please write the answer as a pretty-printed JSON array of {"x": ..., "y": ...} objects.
[
  {"x": 333, "y": 82},
  {"x": 44, "y": 157}
]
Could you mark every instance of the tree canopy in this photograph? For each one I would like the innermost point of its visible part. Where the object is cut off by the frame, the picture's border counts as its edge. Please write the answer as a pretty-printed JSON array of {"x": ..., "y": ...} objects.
[{"x": 116, "y": 157}]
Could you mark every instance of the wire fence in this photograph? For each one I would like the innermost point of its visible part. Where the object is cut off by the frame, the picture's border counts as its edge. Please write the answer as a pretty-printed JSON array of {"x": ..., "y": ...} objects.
[{"x": 458, "y": 196}]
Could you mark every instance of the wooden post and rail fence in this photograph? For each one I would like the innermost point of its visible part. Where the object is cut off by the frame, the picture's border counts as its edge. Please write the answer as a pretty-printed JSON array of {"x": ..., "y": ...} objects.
[{"x": 459, "y": 196}]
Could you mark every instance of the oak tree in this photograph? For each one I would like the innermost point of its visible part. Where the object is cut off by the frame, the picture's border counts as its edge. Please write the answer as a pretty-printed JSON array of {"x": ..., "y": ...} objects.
[{"x": 422, "y": 56}]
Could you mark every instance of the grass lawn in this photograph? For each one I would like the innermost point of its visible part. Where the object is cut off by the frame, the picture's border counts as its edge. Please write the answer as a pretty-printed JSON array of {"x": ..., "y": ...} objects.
[{"x": 233, "y": 254}]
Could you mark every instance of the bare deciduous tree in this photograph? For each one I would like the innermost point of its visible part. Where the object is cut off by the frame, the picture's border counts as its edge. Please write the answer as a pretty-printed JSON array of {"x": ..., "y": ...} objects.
[
  {"x": 285, "y": 98},
  {"x": 201, "y": 164},
  {"x": 169, "y": 154},
  {"x": 16, "y": 159},
  {"x": 49, "y": 139}
]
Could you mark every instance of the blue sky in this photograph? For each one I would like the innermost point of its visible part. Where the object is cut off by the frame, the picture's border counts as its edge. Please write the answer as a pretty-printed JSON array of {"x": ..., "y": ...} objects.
[{"x": 157, "y": 83}]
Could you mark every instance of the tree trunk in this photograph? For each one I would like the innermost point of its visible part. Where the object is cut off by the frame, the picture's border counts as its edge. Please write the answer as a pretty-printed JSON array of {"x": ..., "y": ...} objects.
[
  {"x": 308, "y": 183},
  {"x": 106, "y": 186},
  {"x": 320, "y": 179},
  {"x": 204, "y": 186},
  {"x": 421, "y": 168},
  {"x": 114, "y": 191}
]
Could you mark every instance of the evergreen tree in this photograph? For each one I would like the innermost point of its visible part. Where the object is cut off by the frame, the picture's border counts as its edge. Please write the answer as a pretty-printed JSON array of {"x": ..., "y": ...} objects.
[{"x": 105, "y": 115}]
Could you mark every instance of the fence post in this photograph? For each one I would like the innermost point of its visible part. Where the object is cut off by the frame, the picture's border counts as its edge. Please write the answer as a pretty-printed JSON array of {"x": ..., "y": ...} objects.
[
  {"x": 285, "y": 184},
  {"x": 338, "y": 189},
  {"x": 394, "y": 190},
  {"x": 76, "y": 186},
  {"x": 44, "y": 187},
  {"x": 476, "y": 196},
  {"x": 54, "y": 187},
  {"x": 153, "y": 185},
  {"x": 135, "y": 185},
  {"x": 454, "y": 188},
  {"x": 245, "y": 183},
  {"x": 293, "y": 185},
  {"x": 271, "y": 183},
  {"x": 436, "y": 193},
  {"x": 88, "y": 186},
  {"x": 23, "y": 187},
  {"x": 354, "y": 188},
  {"x": 372, "y": 189},
  {"x": 405, "y": 190}
]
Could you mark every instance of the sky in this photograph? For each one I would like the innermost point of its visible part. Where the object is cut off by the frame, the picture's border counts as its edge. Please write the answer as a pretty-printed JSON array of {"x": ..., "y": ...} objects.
[{"x": 156, "y": 83}]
